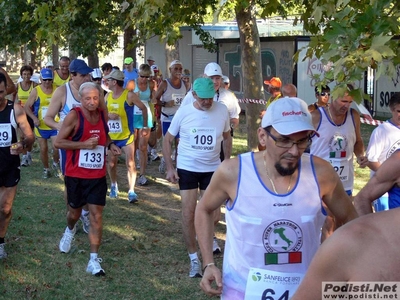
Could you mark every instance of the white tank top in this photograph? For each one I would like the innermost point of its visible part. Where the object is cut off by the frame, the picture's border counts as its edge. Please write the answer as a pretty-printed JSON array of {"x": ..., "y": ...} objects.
[
  {"x": 276, "y": 233},
  {"x": 336, "y": 145},
  {"x": 70, "y": 102},
  {"x": 171, "y": 93}
]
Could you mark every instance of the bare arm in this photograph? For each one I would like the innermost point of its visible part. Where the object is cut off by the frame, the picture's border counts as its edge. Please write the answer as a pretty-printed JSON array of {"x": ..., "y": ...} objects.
[
  {"x": 67, "y": 130},
  {"x": 25, "y": 128},
  {"x": 359, "y": 149},
  {"x": 56, "y": 104},
  {"x": 172, "y": 174},
  {"x": 222, "y": 186},
  {"x": 384, "y": 179},
  {"x": 160, "y": 91},
  {"x": 28, "y": 107},
  {"x": 333, "y": 193},
  {"x": 227, "y": 144}
]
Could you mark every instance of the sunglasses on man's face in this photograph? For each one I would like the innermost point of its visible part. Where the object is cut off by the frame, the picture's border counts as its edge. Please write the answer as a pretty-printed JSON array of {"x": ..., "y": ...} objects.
[
  {"x": 144, "y": 76},
  {"x": 47, "y": 79},
  {"x": 96, "y": 79},
  {"x": 325, "y": 94}
]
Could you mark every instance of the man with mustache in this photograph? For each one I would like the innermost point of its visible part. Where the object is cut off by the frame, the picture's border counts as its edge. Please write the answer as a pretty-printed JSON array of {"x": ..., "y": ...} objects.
[{"x": 274, "y": 212}]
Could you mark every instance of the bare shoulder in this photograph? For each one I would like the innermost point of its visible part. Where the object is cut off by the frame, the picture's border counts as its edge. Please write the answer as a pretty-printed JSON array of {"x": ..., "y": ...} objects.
[
  {"x": 230, "y": 167},
  {"x": 60, "y": 93},
  {"x": 325, "y": 174},
  {"x": 18, "y": 109},
  {"x": 355, "y": 114}
]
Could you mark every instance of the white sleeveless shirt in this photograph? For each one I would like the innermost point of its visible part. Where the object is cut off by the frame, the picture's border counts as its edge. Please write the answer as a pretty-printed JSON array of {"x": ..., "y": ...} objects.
[
  {"x": 276, "y": 234},
  {"x": 336, "y": 145},
  {"x": 70, "y": 102}
]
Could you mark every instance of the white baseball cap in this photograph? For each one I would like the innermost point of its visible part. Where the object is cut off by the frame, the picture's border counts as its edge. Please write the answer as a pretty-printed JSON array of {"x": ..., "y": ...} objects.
[
  {"x": 288, "y": 115},
  {"x": 175, "y": 62},
  {"x": 96, "y": 73},
  {"x": 225, "y": 79},
  {"x": 213, "y": 69}
]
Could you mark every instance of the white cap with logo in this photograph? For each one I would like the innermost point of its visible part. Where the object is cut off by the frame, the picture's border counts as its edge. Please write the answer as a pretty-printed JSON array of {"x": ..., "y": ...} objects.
[
  {"x": 288, "y": 115},
  {"x": 213, "y": 69}
]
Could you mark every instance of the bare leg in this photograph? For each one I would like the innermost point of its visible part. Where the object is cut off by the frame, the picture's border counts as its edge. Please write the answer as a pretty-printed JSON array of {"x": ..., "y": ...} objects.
[
  {"x": 7, "y": 196},
  {"x": 189, "y": 202}
]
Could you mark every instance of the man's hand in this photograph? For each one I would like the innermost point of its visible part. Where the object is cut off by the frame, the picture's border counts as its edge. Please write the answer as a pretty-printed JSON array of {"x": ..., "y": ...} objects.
[
  {"x": 172, "y": 176},
  {"x": 211, "y": 274}
]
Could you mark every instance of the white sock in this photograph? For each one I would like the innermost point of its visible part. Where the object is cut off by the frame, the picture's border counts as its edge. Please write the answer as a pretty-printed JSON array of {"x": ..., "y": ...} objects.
[
  {"x": 93, "y": 256},
  {"x": 69, "y": 230},
  {"x": 84, "y": 212},
  {"x": 193, "y": 256}
]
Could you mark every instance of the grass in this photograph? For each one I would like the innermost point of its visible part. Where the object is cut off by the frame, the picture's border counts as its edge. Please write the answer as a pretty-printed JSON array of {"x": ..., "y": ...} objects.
[{"x": 143, "y": 251}]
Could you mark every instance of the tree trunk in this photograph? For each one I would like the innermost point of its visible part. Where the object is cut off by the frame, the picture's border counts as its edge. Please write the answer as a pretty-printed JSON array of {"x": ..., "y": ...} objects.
[
  {"x": 55, "y": 55},
  {"x": 93, "y": 61},
  {"x": 251, "y": 70},
  {"x": 171, "y": 54},
  {"x": 129, "y": 51}
]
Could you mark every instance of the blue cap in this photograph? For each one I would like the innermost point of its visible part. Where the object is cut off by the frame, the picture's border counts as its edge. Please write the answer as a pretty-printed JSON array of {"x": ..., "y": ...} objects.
[
  {"x": 46, "y": 74},
  {"x": 204, "y": 88},
  {"x": 79, "y": 66}
]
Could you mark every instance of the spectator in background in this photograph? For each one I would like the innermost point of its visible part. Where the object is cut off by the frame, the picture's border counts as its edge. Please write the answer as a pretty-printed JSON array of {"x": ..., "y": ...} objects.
[
  {"x": 289, "y": 90},
  {"x": 340, "y": 138},
  {"x": 36, "y": 108},
  {"x": 226, "y": 82},
  {"x": 62, "y": 74},
  {"x": 106, "y": 68},
  {"x": 49, "y": 65},
  {"x": 10, "y": 86},
  {"x": 384, "y": 141},
  {"x": 186, "y": 78},
  {"x": 274, "y": 89},
  {"x": 152, "y": 62},
  {"x": 322, "y": 94},
  {"x": 130, "y": 73},
  {"x": 24, "y": 88}
]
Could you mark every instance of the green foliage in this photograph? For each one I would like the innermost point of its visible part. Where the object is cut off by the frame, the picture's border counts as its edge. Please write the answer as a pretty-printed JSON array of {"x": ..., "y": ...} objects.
[{"x": 351, "y": 36}]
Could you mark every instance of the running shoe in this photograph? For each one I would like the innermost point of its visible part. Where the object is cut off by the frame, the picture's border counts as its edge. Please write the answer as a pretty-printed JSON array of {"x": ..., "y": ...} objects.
[
  {"x": 216, "y": 248},
  {"x": 113, "y": 191},
  {"x": 66, "y": 240},
  {"x": 142, "y": 180},
  {"x": 24, "y": 161},
  {"x": 95, "y": 268},
  {"x": 56, "y": 169},
  {"x": 162, "y": 166},
  {"x": 195, "y": 268},
  {"x": 3, "y": 253},
  {"x": 46, "y": 173},
  {"x": 85, "y": 222},
  {"x": 132, "y": 197}
]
